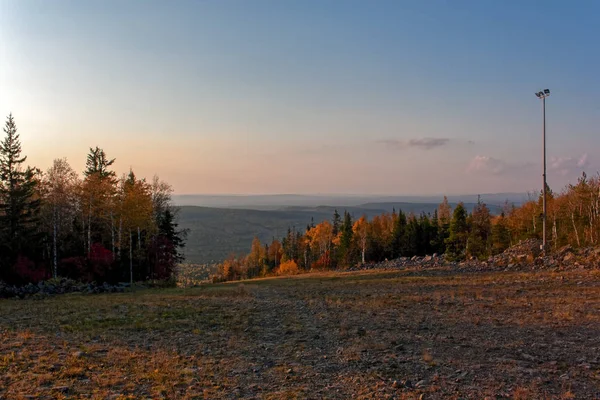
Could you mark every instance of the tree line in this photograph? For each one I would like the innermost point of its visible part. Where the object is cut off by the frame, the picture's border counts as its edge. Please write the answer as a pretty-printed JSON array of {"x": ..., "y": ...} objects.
[
  {"x": 573, "y": 218},
  {"x": 98, "y": 227}
]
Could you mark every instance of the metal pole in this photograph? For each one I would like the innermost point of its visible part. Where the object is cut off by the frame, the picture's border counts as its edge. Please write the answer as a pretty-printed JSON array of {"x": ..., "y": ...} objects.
[{"x": 544, "y": 190}]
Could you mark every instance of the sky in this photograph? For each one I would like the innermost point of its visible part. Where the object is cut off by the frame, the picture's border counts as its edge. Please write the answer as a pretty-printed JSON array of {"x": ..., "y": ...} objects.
[{"x": 310, "y": 97}]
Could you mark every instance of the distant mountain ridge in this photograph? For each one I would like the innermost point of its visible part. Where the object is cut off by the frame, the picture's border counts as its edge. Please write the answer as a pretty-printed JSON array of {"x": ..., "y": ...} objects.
[
  {"x": 214, "y": 232},
  {"x": 279, "y": 201}
]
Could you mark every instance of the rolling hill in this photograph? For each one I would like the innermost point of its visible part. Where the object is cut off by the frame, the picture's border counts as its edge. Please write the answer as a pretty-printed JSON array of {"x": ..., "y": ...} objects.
[{"x": 214, "y": 233}]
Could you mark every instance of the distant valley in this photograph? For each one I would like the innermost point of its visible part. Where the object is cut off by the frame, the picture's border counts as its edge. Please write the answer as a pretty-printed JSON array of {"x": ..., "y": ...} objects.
[{"x": 216, "y": 232}]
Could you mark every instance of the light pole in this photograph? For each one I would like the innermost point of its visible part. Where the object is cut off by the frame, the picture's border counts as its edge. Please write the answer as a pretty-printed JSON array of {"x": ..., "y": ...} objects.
[{"x": 542, "y": 94}]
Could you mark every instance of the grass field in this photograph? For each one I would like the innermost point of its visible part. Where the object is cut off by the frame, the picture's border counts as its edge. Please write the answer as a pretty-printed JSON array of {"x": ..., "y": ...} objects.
[{"x": 435, "y": 334}]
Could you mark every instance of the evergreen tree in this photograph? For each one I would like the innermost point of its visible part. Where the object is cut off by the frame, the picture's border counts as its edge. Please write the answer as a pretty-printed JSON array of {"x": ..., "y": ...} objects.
[
  {"x": 458, "y": 233},
  {"x": 346, "y": 240},
  {"x": 444, "y": 217},
  {"x": 98, "y": 197},
  {"x": 480, "y": 232},
  {"x": 399, "y": 235},
  {"x": 19, "y": 202},
  {"x": 168, "y": 230},
  {"x": 436, "y": 239},
  {"x": 412, "y": 237},
  {"x": 428, "y": 233},
  {"x": 97, "y": 163},
  {"x": 336, "y": 222}
]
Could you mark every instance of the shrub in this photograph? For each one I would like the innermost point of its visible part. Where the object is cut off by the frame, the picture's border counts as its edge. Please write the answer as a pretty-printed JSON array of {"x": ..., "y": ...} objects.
[{"x": 288, "y": 268}]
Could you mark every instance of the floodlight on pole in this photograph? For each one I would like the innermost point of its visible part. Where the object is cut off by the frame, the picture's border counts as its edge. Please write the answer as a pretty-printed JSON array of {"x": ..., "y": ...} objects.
[{"x": 542, "y": 94}]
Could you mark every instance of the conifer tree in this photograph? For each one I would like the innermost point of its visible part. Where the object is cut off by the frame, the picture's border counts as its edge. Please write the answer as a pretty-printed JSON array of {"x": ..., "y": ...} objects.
[
  {"x": 481, "y": 230},
  {"x": 346, "y": 239},
  {"x": 19, "y": 203},
  {"x": 399, "y": 235},
  {"x": 444, "y": 217},
  {"x": 336, "y": 222},
  {"x": 97, "y": 200},
  {"x": 458, "y": 233}
]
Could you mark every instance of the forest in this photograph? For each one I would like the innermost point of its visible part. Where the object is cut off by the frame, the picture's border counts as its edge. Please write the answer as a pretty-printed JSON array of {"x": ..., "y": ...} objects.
[
  {"x": 98, "y": 227},
  {"x": 573, "y": 218}
]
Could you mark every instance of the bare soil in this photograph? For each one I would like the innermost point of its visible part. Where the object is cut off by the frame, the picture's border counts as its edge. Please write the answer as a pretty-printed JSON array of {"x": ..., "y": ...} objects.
[{"x": 399, "y": 335}]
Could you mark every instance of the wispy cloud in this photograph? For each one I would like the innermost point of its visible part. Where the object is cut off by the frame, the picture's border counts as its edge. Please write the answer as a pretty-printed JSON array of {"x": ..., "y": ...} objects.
[
  {"x": 566, "y": 166},
  {"x": 422, "y": 143},
  {"x": 428, "y": 143},
  {"x": 494, "y": 166}
]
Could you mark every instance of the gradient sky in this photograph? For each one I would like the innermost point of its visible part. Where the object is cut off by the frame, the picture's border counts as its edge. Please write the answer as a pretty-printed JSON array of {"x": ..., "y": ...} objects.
[{"x": 252, "y": 96}]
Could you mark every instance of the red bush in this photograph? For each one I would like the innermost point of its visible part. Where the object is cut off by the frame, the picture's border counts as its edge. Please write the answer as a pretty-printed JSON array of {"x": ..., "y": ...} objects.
[
  {"x": 27, "y": 271},
  {"x": 100, "y": 260}
]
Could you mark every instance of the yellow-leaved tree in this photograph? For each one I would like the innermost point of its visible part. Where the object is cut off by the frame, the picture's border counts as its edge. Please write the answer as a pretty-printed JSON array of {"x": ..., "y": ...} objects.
[{"x": 136, "y": 214}]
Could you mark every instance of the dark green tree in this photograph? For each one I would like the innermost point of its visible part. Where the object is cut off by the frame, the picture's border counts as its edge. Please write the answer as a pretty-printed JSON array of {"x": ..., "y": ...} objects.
[
  {"x": 480, "y": 235},
  {"x": 345, "y": 250},
  {"x": 19, "y": 203},
  {"x": 399, "y": 235},
  {"x": 97, "y": 163},
  {"x": 456, "y": 243},
  {"x": 412, "y": 237},
  {"x": 336, "y": 222},
  {"x": 437, "y": 235}
]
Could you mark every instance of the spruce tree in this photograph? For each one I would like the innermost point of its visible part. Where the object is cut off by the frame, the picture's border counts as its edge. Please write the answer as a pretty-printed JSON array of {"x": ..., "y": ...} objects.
[
  {"x": 437, "y": 240},
  {"x": 412, "y": 237},
  {"x": 458, "y": 233},
  {"x": 399, "y": 235},
  {"x": 481, "y": 230},
  {"x": 19, "y": 207},
  {"x": 345, "y": 240},
  {"x": 336, "y": 223},
  {"x": 97, "y": 163},
  {"x": 168, "y": 230}
]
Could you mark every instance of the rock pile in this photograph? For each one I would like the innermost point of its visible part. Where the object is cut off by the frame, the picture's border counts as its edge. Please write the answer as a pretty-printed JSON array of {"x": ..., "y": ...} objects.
[
  {"x": 58, "y": 286},
  {"x": 526, "y": 255}
]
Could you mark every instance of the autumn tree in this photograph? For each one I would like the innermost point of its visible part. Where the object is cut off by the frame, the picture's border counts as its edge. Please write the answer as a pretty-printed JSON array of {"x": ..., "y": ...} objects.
[
  {"x": 59, "y": 207},
  {"x": 360, "y": 231},
  {"x": 256, "y": 259},
  {"x": 98, "y": 199},
  {"x": 274, "y": 254},
  {"x": 136, "y": 213},
  {"x": 320, "y": 238},
  {"x": 500, "y": 234}
]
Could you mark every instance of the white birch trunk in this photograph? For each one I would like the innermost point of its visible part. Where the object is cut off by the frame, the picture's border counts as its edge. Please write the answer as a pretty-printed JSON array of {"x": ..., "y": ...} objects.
[
  {"x": 130, "y": 259},
  {"x": 120, "y": 236},
  {"x": 112, "y": 234},
  {"x": 54, "y": 234},
  {"x": 575, "y": 229}
]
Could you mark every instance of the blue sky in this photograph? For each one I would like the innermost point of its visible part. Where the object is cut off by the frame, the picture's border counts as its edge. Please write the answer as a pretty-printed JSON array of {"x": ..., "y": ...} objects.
[{"x": 249, "y": 96}]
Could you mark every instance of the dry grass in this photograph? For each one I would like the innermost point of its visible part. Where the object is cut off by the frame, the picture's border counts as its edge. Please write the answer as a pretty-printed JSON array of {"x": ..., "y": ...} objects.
[{"x": 404, "y": 335}]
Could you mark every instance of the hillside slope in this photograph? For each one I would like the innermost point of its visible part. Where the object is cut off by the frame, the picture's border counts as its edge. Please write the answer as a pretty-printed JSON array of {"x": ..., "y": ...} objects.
[{"x": 214, "y": 233}]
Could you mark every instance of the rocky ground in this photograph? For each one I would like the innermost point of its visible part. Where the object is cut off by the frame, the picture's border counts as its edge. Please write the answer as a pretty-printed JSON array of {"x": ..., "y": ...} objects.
[
  {"x": 58, "y": 286},
  {"x": 525, "y": 256},
  {"x": 416, "y": 333}
]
